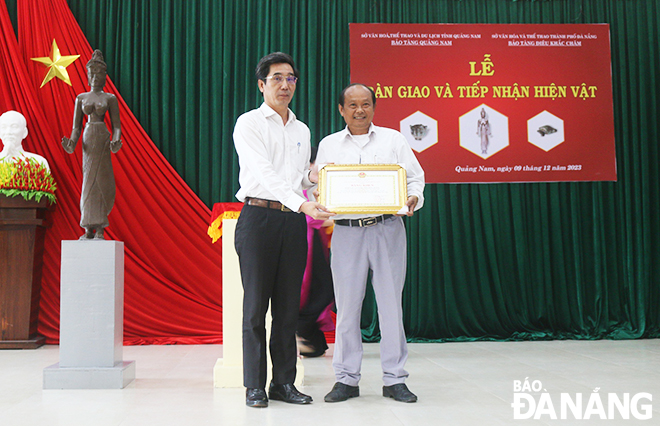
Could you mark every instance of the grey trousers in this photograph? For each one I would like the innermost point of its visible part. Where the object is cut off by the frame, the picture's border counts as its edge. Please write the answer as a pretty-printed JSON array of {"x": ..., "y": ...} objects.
[{"x": 355, "y": 250}]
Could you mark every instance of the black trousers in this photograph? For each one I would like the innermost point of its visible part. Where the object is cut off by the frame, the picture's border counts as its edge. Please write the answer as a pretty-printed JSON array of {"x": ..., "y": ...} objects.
[{"x": 272, "y": 252}]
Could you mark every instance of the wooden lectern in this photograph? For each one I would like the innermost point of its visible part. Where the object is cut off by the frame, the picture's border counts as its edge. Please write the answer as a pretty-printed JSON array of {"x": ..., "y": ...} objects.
[{"x": 21, "y": 258}]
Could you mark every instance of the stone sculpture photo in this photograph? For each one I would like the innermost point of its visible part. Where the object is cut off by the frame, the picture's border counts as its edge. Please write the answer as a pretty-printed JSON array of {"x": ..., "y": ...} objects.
[{"x": 484, "y": 131}]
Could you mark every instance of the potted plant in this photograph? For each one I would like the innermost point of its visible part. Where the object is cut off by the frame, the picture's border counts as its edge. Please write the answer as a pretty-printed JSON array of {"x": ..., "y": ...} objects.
[{"x": 28, "y": 178}]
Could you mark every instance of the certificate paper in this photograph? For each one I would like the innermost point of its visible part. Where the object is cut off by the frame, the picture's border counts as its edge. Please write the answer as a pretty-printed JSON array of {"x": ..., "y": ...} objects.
[{"x": 363, "y": 188}]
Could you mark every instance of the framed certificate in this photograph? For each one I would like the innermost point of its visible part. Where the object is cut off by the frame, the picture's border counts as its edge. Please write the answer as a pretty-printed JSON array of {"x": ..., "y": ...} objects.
[{"x": 363, "y": 188}]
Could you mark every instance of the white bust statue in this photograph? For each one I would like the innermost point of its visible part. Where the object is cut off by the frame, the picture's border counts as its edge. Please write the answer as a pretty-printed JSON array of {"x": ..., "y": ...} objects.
[{"x": 13, "y": 129}]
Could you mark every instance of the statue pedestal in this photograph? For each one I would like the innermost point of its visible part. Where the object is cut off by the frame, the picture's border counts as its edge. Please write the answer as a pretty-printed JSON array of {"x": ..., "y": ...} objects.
[
  {"x": 228, "y": 370},
  {"x": 21, "y": 258},
  {"x": 91, "y": 319}
]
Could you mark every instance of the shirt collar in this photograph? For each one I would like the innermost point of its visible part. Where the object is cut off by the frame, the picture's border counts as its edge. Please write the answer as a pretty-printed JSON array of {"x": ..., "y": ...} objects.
[
  {"x": 346, "y": 134},
  {"x": 269, "y": 112}
]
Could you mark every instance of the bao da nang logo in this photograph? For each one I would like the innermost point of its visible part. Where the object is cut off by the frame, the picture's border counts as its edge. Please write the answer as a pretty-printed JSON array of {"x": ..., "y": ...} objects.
[{"x": 532, "y": 401}]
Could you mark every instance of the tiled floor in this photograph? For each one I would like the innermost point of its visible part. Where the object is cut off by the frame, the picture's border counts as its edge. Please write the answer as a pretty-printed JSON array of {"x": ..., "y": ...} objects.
[{"x": 457, "y": 384}]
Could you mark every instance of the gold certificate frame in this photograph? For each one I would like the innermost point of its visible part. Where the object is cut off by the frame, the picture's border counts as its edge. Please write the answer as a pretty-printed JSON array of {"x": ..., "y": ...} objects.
[{"x": 363, "y": 188}]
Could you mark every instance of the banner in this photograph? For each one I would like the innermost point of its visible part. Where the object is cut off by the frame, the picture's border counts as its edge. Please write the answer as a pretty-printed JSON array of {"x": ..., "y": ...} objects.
[{"x": 494, "y": 102}]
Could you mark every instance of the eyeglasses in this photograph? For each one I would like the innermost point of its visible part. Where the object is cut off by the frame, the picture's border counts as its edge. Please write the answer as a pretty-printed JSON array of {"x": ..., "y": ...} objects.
[{"x": 279, "y": 79}]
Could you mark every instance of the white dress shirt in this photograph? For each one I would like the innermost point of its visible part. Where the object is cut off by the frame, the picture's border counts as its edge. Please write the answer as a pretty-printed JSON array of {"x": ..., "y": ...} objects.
[
  {"x": 379, "y": 146},
  {"x": 273, "y": 157}
]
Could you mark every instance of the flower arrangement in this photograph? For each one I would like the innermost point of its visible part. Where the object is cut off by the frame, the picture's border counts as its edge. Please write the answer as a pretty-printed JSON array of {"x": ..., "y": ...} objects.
[{"x": 28, "y": 178}]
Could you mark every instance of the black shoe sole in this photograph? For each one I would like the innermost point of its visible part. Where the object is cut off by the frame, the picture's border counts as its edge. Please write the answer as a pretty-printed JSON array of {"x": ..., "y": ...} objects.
[
  {"x": 312, "y": 354},
  {"x": 387, "y": 394},
  {"x": 341, "y": 400},
  {"x": 349, "y": 396},
  {"x": 276, "y": 397}
]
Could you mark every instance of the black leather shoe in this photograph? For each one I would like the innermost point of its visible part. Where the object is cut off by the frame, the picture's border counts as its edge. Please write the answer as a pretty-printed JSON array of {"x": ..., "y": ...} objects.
[
  {"x": 341, "y": 392},
  {"x": 399, "y": 392},
  {"x": 256, "y": 398},
  {"x": 288, "y": 393}
]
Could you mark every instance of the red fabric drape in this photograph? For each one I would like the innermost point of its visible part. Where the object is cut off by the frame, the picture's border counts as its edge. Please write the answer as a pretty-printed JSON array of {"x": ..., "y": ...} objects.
[{"x": 172, "y": 271}]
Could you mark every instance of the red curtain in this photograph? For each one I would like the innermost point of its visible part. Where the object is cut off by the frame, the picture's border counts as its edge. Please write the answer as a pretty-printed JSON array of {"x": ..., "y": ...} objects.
[{"x": 173, "y": 273}]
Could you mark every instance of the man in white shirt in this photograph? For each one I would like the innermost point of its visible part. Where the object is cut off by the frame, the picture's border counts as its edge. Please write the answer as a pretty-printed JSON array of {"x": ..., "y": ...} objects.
[
  {"x": 361, "y": 243},
  {"x": 271, "y": 236}
]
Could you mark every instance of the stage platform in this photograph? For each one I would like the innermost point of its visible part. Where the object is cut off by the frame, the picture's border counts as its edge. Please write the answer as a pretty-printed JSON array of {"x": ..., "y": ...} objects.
[{"x": 457, "y": 384}]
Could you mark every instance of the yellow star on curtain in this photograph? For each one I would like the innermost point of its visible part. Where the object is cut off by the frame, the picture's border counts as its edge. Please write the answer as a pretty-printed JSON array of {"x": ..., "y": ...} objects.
[{"x": 57, "y": 65}]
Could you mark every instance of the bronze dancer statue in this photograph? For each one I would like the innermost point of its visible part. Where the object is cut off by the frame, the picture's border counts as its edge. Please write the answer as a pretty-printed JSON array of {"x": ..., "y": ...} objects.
[{"x": 98, "y": 186}]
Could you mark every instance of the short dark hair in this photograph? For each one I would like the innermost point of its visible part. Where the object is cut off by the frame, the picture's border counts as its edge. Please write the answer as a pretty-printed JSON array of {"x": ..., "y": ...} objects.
[
  {"x": 263, "y": 67},
  {"x": 342, "y": 95}
]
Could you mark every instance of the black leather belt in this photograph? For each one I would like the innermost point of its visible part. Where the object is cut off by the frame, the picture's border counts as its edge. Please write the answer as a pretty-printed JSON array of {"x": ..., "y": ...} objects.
[
  {"x": 367, "y": 221},
  {"x": 260, "y": 202}
]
